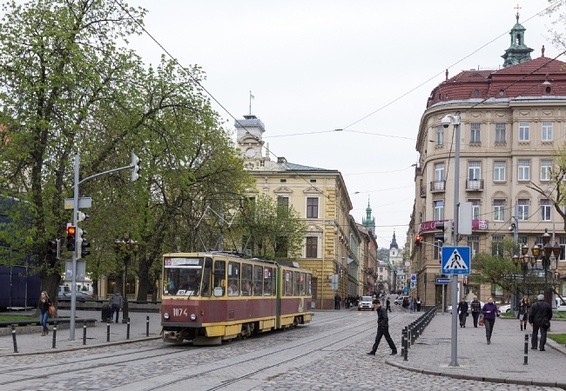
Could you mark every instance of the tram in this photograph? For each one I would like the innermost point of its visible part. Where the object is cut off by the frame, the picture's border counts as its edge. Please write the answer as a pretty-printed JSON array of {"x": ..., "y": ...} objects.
[{"x": 210, "y": 297}]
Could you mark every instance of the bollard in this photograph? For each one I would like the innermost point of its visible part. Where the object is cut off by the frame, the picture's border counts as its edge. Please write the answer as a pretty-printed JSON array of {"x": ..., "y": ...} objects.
[
  {"x": 404, "y": 344},
  {"x": 526, "y": 358},
  {"x": 128, "y": 329},
  {"x": 147, "y": 326},
  {"x": 14, "y": 339},
  {"x": 108, "y": 332},
  {"x": 54, "y": 335},
  {"x": 84, "y": 332}
]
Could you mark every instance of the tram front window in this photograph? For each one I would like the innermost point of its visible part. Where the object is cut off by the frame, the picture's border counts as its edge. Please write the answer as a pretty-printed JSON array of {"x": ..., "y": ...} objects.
[{"x": 182, "y": 282}]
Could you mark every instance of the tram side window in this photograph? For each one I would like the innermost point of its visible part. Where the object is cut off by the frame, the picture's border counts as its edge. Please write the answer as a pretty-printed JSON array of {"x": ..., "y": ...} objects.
[
  {"x": 258, "y": 280},
  {"x": 220, "y": 275},
  {"x": 268, "y": 286},
  {"x": 301, "y": 284},
  {"x": 246, "y": 279},
  {"x": 296, "y": 283},
  {"x": 233, "y": 278},
  {"x": 205, "y": 291},
  {"x": 308, "y": 285},
  {"x": 288, "y": 282}
]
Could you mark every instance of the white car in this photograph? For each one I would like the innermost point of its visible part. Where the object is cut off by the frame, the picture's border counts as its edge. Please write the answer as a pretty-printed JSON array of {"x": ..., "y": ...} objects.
[
  {"x": 505, "y": 308},
  {"x": 366, "y": 303}
]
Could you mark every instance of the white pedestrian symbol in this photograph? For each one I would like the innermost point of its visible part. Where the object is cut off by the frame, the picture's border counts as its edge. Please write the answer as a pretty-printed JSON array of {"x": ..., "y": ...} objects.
[{"x": 455, "y": 262}]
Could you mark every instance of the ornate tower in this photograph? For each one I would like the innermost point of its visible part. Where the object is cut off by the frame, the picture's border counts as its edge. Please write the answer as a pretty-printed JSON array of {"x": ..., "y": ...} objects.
[
  {"x": 368, "y": 221},
  {"x": 518, "y": 52}
]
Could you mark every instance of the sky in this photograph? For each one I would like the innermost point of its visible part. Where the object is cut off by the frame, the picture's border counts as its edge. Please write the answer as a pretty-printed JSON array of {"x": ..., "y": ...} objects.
[{"x": 364, "y": 66}]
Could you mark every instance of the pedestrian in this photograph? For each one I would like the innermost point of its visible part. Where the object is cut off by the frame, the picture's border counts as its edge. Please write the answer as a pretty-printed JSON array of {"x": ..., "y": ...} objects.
[
  {"x": 475, "y": 309},
  {"x": 463, "y": 311},
  {"x": 419, "y": 303},
  {"x": 116, "y": 303},
  {"x": 43, "y": 305},
  {"x": 539, "y": 318},
  {"x": 382, "y": 329},
  {"x": 337, "y": 300},
  {"x": 388, "y": 304},
  {"x": 489, "y": 312},
  {"x": 523, "y": 312}
]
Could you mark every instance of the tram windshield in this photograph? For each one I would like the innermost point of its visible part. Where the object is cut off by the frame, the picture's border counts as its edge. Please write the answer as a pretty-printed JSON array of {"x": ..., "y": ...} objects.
[{"x": 182, "y": 276}]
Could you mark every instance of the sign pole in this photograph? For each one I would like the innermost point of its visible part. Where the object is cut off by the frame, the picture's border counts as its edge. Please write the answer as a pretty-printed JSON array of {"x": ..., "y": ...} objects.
[{"x": 454, "y": 287}]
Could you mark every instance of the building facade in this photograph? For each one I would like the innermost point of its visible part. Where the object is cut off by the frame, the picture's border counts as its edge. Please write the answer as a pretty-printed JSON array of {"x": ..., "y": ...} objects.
[
  {"x": 511, "y": 121},
  {"x": 333, "y": 247}
]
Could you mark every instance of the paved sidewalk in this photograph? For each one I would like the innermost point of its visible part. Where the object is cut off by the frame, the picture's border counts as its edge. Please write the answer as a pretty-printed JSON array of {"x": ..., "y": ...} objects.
[
  {"x": 501, "y": 362},
  {"x": 33, "y": 342}
]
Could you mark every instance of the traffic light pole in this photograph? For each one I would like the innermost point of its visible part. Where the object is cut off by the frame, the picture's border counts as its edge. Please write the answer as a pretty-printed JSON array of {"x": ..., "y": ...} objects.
[
  {"x": 454, "y": 286},
  {"x": 78, "y": 246}
]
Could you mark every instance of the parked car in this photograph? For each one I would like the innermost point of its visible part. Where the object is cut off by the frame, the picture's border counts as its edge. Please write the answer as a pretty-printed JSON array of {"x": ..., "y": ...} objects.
[
  {"x": 365, "y": 303},
  {"x": 505, "y": 308},
  {"x": 81, "y": 296}
]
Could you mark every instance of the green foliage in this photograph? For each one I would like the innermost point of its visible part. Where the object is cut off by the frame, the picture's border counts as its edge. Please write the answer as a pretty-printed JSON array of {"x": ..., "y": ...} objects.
[
  {"x": 272, "y": 230},
  {"x": 69, "y": 86}
]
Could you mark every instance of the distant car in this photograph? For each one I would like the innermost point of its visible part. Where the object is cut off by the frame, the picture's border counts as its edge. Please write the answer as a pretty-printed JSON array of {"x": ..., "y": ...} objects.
[
  {"x": 399, "y": 299},
  {"x": 365, "y": 303},
  {"x": 81, "y": 296},
  {"x": 505, "y": 308}
]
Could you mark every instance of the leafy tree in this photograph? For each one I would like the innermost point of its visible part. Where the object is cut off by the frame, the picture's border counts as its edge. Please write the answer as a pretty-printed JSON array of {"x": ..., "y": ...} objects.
[
  {"x": 70, "y": 85},
  {"x": 272, "y": 230}
]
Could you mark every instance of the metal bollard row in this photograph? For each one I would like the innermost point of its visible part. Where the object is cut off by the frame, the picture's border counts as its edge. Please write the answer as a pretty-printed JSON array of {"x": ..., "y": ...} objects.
[{"x": 414, "y": 330}]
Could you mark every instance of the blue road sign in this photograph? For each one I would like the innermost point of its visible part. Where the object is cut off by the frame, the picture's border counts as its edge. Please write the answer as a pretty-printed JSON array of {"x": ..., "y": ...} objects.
[
  {"x": 456, "y": 260},
  {"x": 443, "y": 281}
]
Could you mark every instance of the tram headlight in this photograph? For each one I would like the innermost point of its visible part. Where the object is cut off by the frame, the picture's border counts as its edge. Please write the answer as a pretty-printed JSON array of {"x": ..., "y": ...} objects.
[
  {"x": 166, "y": 316},
  {"x": 193, "y": 316}
]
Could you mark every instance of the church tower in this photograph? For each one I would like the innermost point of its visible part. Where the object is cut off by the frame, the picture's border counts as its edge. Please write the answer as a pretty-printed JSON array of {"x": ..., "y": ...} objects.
[
  {"x": 518, "y": 52},
  {"x": 368, "y": 221}
]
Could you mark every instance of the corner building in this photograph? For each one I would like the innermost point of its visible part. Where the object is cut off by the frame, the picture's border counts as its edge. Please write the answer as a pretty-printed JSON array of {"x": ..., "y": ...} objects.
[{"x": 511, "y": 121}]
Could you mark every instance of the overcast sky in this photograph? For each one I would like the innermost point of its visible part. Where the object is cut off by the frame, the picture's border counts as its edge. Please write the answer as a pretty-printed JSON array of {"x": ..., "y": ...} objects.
[{"x": 363, "y": 66}]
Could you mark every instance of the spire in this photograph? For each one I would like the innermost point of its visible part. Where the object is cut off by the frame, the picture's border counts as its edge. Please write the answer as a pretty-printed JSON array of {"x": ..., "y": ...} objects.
[
  {"x": 369, "y": 221},
  {"x": 518, "y": 52},
  {"x": 394, "y": 242}
]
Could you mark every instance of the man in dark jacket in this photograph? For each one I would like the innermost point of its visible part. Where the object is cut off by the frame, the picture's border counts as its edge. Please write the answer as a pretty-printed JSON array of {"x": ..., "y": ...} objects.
[
  {"x": 463, "y": 311},
  {"x": 382, "y": 329},
  {"x": 539, "y": 315}
]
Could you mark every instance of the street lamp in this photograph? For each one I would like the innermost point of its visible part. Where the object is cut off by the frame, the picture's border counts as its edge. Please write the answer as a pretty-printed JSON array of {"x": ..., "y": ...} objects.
[
  {"x": 126, "y": 246},
  {"x": 545, "y": 252}
]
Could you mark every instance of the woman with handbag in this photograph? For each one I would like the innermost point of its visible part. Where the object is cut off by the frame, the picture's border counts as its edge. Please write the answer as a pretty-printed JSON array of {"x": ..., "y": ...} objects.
[
  {"x": 523, "y": 314},
  {"x": 43, "y": 306}
]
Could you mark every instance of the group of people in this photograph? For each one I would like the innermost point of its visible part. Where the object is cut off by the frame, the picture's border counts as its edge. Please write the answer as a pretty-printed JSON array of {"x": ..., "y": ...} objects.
[
  {"x": 412, "y": 304},
  {"x": 538, "y": 315}
]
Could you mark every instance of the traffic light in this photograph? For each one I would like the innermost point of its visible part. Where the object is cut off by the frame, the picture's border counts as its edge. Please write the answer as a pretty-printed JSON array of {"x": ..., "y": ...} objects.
[
  {"x": 71, "y": 235},
  {"x": 54, "y": 247},
  {"x": 135, "y": 167},
  {"x": 418, "y": 240},
  {"x": 84, "y": 243},
  {"x": 446, "y": 228}
]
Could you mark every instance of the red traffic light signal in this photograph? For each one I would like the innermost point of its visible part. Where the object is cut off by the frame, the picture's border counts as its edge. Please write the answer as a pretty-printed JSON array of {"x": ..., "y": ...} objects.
[
  {"x": 418, "y": 240},
  {"x": 71, "y": 232}
]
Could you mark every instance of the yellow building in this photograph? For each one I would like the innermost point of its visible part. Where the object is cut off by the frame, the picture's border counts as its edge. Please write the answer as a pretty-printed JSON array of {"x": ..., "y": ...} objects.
[{"x": 332, "y": 246}]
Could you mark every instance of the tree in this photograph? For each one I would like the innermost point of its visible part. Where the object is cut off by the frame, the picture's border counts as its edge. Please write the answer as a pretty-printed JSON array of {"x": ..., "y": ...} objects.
[
  {"x": 70, "y": 85},
  {"x": 272, "y": 231}
]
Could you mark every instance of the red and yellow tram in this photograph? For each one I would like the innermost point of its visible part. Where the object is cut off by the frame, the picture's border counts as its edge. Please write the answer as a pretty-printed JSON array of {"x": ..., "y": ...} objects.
[{"x": 211, "y": 297}]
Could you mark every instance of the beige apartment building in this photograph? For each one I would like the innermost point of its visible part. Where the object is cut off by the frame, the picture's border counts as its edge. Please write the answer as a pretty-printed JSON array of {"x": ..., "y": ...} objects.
[
  {"x": 341, "y": 256},
  {"x": 511, "y": 120}
]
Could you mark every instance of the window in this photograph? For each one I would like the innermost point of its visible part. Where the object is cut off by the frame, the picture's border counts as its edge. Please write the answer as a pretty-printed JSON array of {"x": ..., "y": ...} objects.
[
  {"x": 524, "y": 131},
  {"x": 439, "y": 176},
  {"x": 524, "y": 170},
  {"x": 247, "y": 280},
  {"x": 440, "y": 135},
  {"x": 523, "y": 210},
  {"x": 312, "y": 247},
  {"x": 268, "y": 281},
  {"x": 438, "y": 210},
  {"x": 475, "y": 133},
  {"x": 499, "y": 172},
  {"x": 546, "y": 131},
  {"x": 498, "y": 210},
  {"x": 545, "y": 170},
  {"x": 474, "y": 169},
  {"x": 500, "y": 136},
  {"x": 497, "y": 245},
  {"x": 474, "y": 244},
  {"x": 312, "y": 208},
  {"x": 233, "y": 279},
  {"x": 475, "y": 209},
  {"x": 258, "y": 281},
  {"x": 283, "y": 201},
  {"x": 545, "y": 208}
]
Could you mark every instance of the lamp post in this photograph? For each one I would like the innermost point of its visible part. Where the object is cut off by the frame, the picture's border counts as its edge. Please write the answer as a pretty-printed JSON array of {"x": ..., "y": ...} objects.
[
  {"x": 545, "y": 252},
  {"x": 126, "y": 246}
]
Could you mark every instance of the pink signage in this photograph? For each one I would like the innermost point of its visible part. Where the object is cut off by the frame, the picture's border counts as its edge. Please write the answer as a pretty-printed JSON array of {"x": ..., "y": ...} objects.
[{"x": 427, "y": 226}]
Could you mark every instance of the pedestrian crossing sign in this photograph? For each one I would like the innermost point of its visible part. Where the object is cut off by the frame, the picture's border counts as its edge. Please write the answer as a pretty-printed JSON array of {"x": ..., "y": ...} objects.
[{"x": 456, "y": 260}]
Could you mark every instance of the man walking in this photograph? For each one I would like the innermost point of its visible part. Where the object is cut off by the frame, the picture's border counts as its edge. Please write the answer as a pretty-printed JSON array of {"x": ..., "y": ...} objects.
[
  {"x": 539, "y": 318},
  {"x": 382, "y": 329},
  {"x": 116, "y": 303},
  {"x": 388, "y": 305},
  {"x": 475, "y": 307}
]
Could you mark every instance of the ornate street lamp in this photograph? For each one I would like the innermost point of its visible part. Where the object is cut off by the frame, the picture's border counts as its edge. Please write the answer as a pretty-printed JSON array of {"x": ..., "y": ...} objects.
[
  {"x": 126, "y": 246},
  {"x": 545, "y": 252}
]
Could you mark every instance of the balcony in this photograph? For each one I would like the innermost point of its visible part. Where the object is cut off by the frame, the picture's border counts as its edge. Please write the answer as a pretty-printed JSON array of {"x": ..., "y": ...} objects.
[
  {"x": 437, "y": 186},
  {"x": 474, "y": 184}
]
